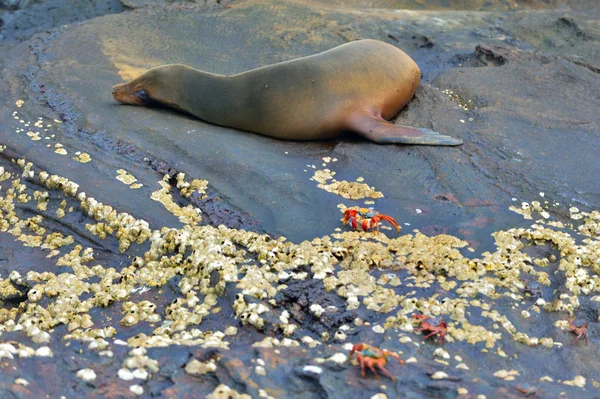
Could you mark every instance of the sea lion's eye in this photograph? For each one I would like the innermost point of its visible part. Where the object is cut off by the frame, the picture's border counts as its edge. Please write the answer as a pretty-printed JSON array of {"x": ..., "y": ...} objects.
[{"x": 142, "y": 95}]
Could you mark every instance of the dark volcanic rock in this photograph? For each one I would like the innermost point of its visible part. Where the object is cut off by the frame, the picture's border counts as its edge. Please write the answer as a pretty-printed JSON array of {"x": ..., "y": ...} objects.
[
  {"x": 196, "y": 5},
  {"x": 21, "y": 19},
  {"x": 298, "y": 297},
  {"x": 521, "y": 88},
  {"x": 533, "y": 111}
]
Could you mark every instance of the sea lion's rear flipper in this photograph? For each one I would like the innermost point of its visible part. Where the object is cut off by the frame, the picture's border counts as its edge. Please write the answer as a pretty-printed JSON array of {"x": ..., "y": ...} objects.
[{"x": 381, "y": 131}]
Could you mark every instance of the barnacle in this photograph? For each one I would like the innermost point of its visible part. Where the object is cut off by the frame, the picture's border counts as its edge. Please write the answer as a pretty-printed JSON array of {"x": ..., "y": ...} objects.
[{"x": 259, "y": 268}]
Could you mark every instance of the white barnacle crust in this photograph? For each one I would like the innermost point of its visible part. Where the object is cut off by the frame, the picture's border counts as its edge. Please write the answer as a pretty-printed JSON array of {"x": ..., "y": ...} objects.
[
  {"x": 439, "y": 375},
  {"x": 578, "y": 381},
  {"x": 378, "y": 329},
  {"x": 86, "y": 374},
  {"x": 137, "y": 389},
  {"x": 196, "y": 367},
  {"x": 339, "y": 358},
  {"x": 358, "y": 270},
  {"x": 340, "y": 336},
  {"x": 223, "y": 391},
  {"x": 125, "y": 374},
  {"x": 501, "y": 374},
  {"x": 441, "y": 352},
  {"x": 312, "y": 369},
  {"x": 316, "y": 309},
  {"x": 7, "y": 351},
  {"x": 141, "y": 374},
  {"x": 44, "y": 351},
  {"x": 21, "y": 381}
]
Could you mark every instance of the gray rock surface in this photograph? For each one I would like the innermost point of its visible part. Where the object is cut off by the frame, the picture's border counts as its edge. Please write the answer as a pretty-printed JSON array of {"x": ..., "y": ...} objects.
[{"x": 520, "y": 87}]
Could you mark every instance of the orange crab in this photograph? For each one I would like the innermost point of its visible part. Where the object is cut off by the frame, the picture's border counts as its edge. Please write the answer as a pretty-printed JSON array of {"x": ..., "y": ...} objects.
[
  {"x": 370, "y": 356},
  {"x": 580, "y": 331},
  {"x": 367, "y": 218},
  {"x": 438, "y": 327}
]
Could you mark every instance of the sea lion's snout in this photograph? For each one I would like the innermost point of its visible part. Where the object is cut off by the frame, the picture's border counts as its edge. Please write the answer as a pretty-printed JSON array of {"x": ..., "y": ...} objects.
[
  {"x": 122, "y": 94},
  {"x": 116, "y": 92}
]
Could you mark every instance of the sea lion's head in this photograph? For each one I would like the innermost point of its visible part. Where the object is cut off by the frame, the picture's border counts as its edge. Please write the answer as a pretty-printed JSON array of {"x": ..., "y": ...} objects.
[{"x": 157, "y": 86}]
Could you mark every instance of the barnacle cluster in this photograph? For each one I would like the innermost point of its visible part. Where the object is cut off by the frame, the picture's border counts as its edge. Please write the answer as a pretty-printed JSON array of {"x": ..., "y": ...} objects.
[
  {"x": 141, "y": 364},
  {"x": 351, "y": 190},
  {"x": 125, "y": 177},
  {"x": 224, "y": 392},
  {"x": 187, "y": 214},
  {"x": 9, "y": 351},
  {"x": 125, "y": 227},
  {"x": 136, "y": 312},
  {"x": 186, "y": 188},
  {"x": 203, "y": 262},
  {"x": 82, "y": 157},
  {"x": 196, "y": 367}
]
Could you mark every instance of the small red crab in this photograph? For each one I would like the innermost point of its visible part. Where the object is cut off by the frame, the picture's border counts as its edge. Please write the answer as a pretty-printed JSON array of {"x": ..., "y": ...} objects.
[
  {"x": 580, "y": 331},
  {"x": 367, "y": 218},
  {"x": 370, "y": 356},
  {"x": 438, "y": 327}
]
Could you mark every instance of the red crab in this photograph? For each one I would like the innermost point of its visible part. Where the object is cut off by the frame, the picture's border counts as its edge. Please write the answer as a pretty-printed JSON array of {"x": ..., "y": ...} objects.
[
  {"x": 438, "y": 327},
  {"x": 370, "y": 356},
  {"x": 580, "y": 331},
  {"x": 367, "y": 218}
]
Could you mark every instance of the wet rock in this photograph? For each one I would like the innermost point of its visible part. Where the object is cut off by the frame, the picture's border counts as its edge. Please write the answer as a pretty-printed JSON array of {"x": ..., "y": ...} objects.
[
  {"x": 300, "y": 296},
  {"x": 219, "y": 212},
  {"x": 486, "y": 57},
  {"x": 24, "y": 18},
  {"x": 567, "y": 26},
  {"x": 539, "y": 130},
  {"x": 13, "y": 292},
  {"x": 521, "y": 90},
  {"x": 422, "y": 41},
  {"x": 196, "y": 5},
  {"x": 14, "y": 4}
]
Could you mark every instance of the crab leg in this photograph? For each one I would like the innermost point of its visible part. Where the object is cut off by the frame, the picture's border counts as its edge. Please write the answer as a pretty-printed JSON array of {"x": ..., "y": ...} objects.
[
  {"x": 370, "y": 364},
  {"x": 384, "y": 371},
  {"x": 375, "y": 223},
  {"x": 365, "y": 224},
  {"x": 430, "y": 335},
  {"x": 362, "y": 362},
  {"x": 396, "y": 357}
]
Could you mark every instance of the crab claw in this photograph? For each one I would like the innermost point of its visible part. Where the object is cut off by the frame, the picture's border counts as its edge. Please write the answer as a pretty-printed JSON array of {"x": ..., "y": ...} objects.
[
  {"x": 395, "y": 357},
  {"x": 348, "y": 214},
  {"x": 391, "y": 220},
  {"x": 357, "y": 348}
]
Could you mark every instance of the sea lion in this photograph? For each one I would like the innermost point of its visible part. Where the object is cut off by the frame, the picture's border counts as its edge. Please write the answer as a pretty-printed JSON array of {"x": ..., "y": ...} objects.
[{"x": 356, "y": 87}]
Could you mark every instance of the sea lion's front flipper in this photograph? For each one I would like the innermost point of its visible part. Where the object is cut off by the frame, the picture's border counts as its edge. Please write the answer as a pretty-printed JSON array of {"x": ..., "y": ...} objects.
[{"x": 381, "y": 131}]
